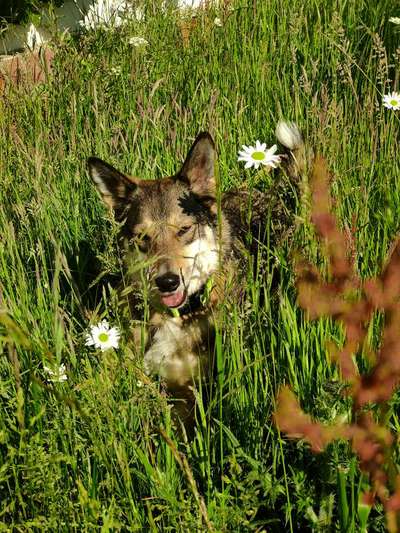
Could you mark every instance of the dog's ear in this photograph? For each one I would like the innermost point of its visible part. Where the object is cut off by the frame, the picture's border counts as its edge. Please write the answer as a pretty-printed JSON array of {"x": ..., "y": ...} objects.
[
  {"x": 116, "y": 189},
  {"x": 198, "y": 168}
]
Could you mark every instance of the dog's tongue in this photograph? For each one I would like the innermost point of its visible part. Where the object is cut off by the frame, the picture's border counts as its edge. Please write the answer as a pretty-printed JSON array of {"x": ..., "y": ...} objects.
[{"x": 173, "y": 300}]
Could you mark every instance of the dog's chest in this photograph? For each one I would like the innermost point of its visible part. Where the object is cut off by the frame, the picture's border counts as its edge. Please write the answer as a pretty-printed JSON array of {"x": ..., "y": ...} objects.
[{"x": 179, "y": 350}]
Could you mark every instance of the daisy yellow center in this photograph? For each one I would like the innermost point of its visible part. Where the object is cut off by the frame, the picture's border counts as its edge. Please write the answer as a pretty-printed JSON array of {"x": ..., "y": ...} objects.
[
  {"x": 394, "y": 102},
  {"x": 103, "y": 337},
  {"x": 258, "y": 156}
]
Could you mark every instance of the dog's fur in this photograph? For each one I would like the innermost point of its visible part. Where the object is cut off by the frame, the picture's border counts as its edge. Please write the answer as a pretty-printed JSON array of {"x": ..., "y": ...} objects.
[{"x": 196, "y": 243}]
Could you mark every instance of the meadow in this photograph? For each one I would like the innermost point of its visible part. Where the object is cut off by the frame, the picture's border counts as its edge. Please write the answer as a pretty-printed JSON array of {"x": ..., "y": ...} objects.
[{"x": 97, "y": 452}]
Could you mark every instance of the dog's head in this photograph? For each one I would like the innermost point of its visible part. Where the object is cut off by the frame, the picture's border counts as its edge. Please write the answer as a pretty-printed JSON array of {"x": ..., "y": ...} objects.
[{"x": 173, "y": 222}]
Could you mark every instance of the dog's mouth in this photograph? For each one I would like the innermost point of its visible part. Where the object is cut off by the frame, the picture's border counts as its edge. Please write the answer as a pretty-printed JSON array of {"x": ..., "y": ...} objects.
[{"x": 174, "y": 299}]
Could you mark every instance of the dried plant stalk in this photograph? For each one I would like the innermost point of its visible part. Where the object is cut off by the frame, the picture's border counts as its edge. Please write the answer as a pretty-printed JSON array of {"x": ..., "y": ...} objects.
[{"x": 352, "y": 302}]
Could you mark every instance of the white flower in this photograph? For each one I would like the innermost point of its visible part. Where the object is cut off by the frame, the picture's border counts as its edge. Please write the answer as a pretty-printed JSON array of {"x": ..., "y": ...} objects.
[
  {"x": 138, "y": 41},
  {"x": 288, "y": 134},
  {"x": 218, "y": 22},
  {"x": 33, "y": 38},
  {"x": 139, "y": 384},
  {"x": 395, "y": 20},
  {"x": 258, "y": 155},
  {"x": 109, "y": 14},
  {"x": 58, "y": 375},
  {"x": 392, "y": 101},
  {"x": 116, "y": 71},
  {"x": 102, "y": 336}
]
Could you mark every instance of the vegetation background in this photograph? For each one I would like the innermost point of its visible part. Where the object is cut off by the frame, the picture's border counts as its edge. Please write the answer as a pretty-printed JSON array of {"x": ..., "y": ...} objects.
[
  {"x": 20, "y": 10},
  {"x": 87, "y": 454}
]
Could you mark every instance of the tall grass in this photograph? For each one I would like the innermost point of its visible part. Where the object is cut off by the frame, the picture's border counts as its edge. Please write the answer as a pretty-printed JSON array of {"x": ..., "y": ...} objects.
[{"x": 88, "y": 454}]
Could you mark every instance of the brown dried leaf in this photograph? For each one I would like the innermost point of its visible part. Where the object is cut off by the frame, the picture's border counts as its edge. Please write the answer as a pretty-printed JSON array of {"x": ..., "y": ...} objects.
[
  {"x": 292, "y": 420},
  {"x": 325, "y": 222},
  {"x": 378, "y": 385}
]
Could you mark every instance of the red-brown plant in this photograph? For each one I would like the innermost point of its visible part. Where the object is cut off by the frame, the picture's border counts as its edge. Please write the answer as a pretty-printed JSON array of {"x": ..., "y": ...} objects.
[{"x": 351, "y": 301}]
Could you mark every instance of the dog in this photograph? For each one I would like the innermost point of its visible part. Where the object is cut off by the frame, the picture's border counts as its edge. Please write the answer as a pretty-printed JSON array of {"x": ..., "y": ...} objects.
[{"x": 196, "y": 243}]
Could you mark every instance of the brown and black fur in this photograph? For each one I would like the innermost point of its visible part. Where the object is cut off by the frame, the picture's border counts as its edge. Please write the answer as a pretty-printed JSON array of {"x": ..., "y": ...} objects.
[{"x": 194, "y": 239}]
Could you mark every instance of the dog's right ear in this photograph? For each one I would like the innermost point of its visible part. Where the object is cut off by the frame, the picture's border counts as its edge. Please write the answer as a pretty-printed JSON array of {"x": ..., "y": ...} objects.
[{"x": 116, "y": 189}]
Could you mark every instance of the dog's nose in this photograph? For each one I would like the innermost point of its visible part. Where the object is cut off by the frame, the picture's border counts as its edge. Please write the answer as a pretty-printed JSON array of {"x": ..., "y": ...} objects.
[{"x": 167, "y": 282}]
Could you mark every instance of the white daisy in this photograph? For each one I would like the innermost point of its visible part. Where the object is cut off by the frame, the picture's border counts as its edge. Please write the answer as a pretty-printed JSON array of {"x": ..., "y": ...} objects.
[
  {"x": 102, "y": 336},
  {"x": 392, "y": 101},
  {"x": 259, "y": 155},
  {"x": 395, "y": 20},
  {"x": 218, "y": 22},
  {"x": 56, "y": 375},
  {"x": 138, "y": 41}
]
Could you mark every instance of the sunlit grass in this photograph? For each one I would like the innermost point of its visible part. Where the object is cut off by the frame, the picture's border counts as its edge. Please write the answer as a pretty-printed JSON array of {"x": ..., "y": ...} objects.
[{"x": 87, "y": 454}]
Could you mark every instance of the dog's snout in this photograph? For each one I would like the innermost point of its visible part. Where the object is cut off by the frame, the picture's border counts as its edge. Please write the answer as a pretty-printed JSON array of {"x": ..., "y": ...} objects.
[{"x": 168, "y": 282}]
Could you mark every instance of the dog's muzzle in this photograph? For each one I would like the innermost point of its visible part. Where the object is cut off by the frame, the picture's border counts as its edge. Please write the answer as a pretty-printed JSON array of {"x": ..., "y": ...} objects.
[{"x": 168, "y": 285}]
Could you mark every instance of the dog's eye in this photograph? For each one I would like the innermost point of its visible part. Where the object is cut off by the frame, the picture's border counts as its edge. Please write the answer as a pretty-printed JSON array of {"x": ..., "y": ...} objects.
[{"x": 183, "y": 230}]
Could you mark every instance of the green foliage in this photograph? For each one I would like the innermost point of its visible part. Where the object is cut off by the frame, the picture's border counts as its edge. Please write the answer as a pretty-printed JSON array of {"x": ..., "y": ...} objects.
[
  {"x": 19, "y": 10},
  {"x": 86, "y": 455}
]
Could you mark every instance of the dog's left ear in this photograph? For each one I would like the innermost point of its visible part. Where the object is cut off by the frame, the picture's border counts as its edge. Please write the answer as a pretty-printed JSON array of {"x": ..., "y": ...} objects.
[{"x": 198, "y": 168}]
